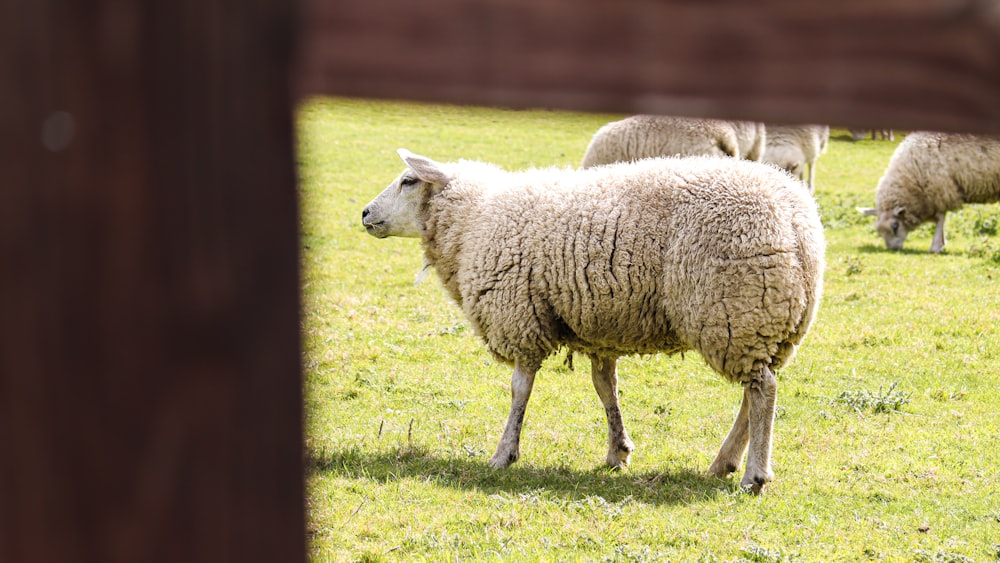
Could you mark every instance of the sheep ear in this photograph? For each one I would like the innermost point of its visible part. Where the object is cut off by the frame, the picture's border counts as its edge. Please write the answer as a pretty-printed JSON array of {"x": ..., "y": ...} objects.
[
  {"x": 425, "y": 168},
  {"x": 867, "y": 210},
  {"x": 899, "y": 212}
]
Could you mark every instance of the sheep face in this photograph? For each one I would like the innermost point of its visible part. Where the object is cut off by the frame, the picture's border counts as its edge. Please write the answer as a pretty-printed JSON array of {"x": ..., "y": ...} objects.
[
  {"x": 892, "y": 226},
  {"x": 397, "y": 211}
]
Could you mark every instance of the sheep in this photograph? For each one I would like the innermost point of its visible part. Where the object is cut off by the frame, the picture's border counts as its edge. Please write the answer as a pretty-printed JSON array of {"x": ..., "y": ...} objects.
[
  {"x": 795, "y": 148},
  {"x": 645, "y": 136},
  {"x": 929, "y": 175},
  {"x": 885, "y": 134},
  {"x": 751, "y": 136},
  {"x": 722, "y": 256}
]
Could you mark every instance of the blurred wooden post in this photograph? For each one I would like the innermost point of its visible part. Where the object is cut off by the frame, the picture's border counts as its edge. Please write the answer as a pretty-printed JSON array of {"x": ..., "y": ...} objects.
[{"x": 150, "y": 389}]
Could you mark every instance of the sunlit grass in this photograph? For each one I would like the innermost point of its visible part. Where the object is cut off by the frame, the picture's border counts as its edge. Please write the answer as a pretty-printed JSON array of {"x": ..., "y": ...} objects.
[{"x": 404, "y": 406}]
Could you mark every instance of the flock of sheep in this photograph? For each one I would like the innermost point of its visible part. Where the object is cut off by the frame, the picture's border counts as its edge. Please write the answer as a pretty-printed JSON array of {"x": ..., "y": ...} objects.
[
  {"x": 929, "y": 175},
  {"x": 675, "y": 234},
  {"x": 793, "y": 148}
]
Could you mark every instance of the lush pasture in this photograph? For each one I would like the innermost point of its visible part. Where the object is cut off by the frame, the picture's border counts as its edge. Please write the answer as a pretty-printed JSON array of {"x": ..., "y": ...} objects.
[{"x": 886, "y": 439}]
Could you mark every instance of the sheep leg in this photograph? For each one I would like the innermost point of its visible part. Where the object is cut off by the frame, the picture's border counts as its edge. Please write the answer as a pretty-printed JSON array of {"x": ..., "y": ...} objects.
[
  {"x": 763, "y": 394},
  {"x": 937, "y": 244},
  {"x": 604, "y": 373},
  {"x": 508, "y": 450},
  {"x": 735, "y": 443}
]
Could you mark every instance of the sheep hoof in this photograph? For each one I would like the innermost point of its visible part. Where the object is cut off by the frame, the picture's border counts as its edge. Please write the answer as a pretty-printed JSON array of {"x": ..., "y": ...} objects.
[
  {"x": 755, "y": 484},
  {"x": 618, "y": 456},
  {"x": 616, "y": 463},
  {"x": 722, "y": 469},
  {"x": 502, "y": 460}
]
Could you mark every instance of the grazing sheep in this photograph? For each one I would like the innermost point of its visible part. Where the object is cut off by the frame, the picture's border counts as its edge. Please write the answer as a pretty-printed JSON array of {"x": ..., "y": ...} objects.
[
  {"x": 646, "y": 136},
  {"x": 796, "y": 147},
  {"x": 858, "y": 134},
  {"x": 931, "y": 174},
  {"x": 718, "y": 255}
]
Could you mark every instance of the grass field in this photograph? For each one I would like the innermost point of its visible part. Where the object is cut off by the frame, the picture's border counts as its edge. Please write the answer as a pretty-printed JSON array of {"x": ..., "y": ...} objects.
[{"x": 886, "y": 438}]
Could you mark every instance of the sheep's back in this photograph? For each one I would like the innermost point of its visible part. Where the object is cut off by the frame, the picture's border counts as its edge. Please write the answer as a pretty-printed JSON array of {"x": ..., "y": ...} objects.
[
  {"x": 810, "y": 140},
  {"x": 650, "y": 136}
]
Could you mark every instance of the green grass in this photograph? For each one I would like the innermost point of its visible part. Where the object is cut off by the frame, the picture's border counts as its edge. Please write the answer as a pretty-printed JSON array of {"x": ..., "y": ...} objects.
[{"x": 886, "y": 440}]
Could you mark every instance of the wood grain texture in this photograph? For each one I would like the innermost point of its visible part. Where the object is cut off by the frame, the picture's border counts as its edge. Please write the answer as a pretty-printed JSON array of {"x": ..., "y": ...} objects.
[
  {"x": 150, "y": 394},
  {"x": 932, "y": 64}
]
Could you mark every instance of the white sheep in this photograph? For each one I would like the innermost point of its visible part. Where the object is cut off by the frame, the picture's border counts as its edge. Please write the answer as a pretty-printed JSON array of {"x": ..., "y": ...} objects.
[
  {"x": 929, "y": 175},
  {"x": 796, "y": 148},
  {"x": 751, "y": 137},
  {"x": 722, "y": 256},
  {"x": 645, "y": 136}
]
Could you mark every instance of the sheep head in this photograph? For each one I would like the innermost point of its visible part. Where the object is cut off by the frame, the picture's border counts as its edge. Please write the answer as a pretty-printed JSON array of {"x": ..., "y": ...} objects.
[
  {"x": 396, "y": 212},
  {"x": 891, "y": 224}
]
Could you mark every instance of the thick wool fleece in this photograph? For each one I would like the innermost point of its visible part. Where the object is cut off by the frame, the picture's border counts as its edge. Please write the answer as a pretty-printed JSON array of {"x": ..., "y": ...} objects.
[
  {"x": 717, "y": 255},
  {"x": 810, "y": 140},
  {"x": 932, "y": 173},
  {"x": 797, "y": 147},
  {"x": 751, "y": 137},
  {"x": 647, "y": 136}
]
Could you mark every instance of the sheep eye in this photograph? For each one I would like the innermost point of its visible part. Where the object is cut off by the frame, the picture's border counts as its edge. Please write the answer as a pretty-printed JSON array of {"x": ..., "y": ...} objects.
[
  {"x": 408, "y": 181},
  {"x": 895, "y": 227}
]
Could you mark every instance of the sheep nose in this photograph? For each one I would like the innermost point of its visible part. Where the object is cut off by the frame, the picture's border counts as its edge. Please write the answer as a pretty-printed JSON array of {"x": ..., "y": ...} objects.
[{"x": 364, "y": 214}]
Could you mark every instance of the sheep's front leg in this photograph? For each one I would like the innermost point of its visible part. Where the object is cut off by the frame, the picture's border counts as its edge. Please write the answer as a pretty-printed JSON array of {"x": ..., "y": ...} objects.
[
  {"x": 937, "y": 244},
  {"x": 762, "y": 392},
  {"x": 508, "y": 450},
  {"x": 604, "y": 373},
  {"x": 731, "y": 452}
]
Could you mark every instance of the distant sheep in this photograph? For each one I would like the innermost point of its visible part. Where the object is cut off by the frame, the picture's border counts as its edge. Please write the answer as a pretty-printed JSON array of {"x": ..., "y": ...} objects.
[
  {"x": 885, "y": 134},
  {"x": 646, "y": 136},
  {"x": 722, "y": 256},
  {"x": 931, "y": 174},
  {"x": 795, "y": 148}
]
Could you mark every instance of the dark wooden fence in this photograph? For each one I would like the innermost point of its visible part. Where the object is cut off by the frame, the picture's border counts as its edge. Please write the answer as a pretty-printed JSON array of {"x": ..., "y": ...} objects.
[
  {"x": 150, "y": 386},
  {"x": 927, "y": 64},
  {"x": 150, "y": 397}
]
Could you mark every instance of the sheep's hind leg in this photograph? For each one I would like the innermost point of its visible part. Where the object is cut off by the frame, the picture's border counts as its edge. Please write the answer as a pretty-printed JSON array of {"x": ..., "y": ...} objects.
[
  {"x": 508, "y": 450},
  {"x": 604, "y": 373},
  {"x": 731, "y": 452},
  {"x": 763, "y": 394}
]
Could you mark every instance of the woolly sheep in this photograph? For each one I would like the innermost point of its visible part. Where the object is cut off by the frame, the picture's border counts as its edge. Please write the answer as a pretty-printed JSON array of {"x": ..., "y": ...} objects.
[
  {"x": 645, "y": 136},
  {"x": 718, "y": 255},
  {"x": 931, "y": 174},
  {"x": 796, "y": 148}
]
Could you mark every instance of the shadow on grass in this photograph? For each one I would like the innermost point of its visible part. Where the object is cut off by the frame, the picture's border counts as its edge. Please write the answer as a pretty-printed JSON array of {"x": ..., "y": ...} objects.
[
  {"x": 881, "y": 249},
  {"x": 675, "y": 485},
  {"x": 846, "y": 137}
]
